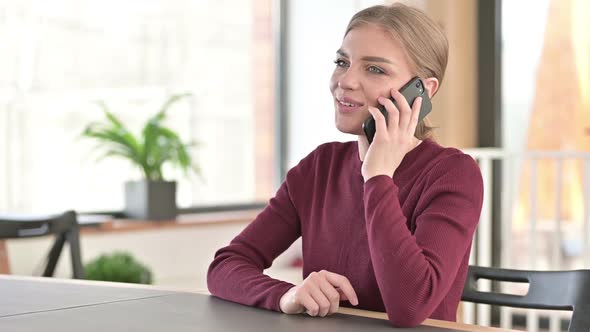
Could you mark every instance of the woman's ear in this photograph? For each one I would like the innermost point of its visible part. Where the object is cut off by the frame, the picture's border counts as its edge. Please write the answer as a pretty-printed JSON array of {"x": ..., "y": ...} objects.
[{"x": 431, "y": 85}]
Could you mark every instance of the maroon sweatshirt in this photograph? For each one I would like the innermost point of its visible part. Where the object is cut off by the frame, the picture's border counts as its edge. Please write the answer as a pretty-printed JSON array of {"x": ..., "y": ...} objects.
[{"x": 403, "y": 243}]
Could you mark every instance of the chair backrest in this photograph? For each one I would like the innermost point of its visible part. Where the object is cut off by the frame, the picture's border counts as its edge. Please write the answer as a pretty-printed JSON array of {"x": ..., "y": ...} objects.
[
  {"x": 21, "y": 226},
  {"x": 64, "y": 226},
  {"x": 556, "y": 290}
]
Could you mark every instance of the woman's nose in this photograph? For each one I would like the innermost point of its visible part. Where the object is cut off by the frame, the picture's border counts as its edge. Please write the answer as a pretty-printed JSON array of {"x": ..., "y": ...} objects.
[{"x": 348, "y": 80}]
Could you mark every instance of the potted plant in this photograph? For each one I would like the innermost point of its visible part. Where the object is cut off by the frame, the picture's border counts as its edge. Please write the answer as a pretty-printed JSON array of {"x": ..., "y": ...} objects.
[
  {"x": 119, "y": 266},
  {"x": 152, "y": 198}
]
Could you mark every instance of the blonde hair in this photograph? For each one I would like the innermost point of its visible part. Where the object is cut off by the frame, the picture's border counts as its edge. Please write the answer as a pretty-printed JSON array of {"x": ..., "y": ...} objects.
[{"x": 424, "y": 43}]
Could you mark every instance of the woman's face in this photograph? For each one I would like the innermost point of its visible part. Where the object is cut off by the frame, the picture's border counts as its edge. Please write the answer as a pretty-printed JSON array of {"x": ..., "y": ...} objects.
[{"x": 368, "y": 64}]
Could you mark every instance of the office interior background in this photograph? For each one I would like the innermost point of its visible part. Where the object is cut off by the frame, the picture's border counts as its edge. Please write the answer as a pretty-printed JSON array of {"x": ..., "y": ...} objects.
[{"x": 516, "y": 96}]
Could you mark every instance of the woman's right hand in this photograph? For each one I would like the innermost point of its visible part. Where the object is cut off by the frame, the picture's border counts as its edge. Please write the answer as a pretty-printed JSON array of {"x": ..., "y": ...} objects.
[{"x": 318, "y": 295}]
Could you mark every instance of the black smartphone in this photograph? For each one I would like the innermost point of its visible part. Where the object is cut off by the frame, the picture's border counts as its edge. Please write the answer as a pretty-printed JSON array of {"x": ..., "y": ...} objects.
[{"x": 412, "y": 90}]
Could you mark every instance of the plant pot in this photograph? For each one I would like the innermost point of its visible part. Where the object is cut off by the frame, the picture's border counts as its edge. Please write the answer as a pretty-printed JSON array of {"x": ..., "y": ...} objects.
[{"x": 150, "y": 200}]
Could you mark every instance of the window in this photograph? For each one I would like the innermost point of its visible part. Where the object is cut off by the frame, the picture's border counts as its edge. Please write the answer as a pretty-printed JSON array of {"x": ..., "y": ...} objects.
[
  {"x": 61, "y": 56},
  {"x": 546, "y": 93}
]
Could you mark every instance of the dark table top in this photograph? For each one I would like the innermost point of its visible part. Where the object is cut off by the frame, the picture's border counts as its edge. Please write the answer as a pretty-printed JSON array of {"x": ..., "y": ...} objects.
[{"x": 33, "y": 305}]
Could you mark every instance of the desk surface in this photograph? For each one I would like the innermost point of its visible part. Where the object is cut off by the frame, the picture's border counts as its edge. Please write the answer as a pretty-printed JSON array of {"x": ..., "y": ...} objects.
[{"x": 30, "y": 304}]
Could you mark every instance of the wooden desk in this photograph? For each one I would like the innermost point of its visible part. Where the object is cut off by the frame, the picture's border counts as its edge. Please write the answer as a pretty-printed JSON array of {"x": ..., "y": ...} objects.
[
  {"x": 189, "y": 220},
  {"x": 73, "y": 305}
]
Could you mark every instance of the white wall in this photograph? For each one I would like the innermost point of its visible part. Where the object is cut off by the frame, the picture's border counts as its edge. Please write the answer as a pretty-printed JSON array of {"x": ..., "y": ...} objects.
[{"x": 314, "y": 33}]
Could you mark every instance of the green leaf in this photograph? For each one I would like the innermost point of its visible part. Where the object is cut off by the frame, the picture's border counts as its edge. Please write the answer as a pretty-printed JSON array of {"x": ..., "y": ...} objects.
[
  {"x": 113, "y": 139},
  {"x": 172, "y": 100},
  {"x": 154, "y": 154},
  {"x": 120, "y": 267},
  {"x": 157, "y": 145}
]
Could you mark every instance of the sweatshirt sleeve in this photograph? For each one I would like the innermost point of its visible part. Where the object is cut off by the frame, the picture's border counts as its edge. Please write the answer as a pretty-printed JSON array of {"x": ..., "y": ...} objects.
[
  {"x": 236, "y": 273},
  {"x": 414, "y": 272}
]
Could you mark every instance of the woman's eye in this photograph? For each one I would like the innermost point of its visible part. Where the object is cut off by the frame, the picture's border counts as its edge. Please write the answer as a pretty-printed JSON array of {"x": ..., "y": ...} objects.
[
  {"x": 376, "y": 70},
  {"x": 340, "y": 63}
]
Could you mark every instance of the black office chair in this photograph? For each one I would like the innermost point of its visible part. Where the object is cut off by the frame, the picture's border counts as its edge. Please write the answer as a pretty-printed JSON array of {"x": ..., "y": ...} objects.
[
  {"x": 63, "y": 226},
  {"x": 554, "y": 290}
]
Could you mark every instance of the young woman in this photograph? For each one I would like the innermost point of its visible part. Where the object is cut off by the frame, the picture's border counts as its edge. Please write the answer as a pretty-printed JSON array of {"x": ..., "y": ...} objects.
[{"x": 385, "y": 226}]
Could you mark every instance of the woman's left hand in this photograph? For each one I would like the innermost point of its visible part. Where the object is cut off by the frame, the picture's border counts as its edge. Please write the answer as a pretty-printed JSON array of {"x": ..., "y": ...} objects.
[{"x": 393, "y": 139}]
